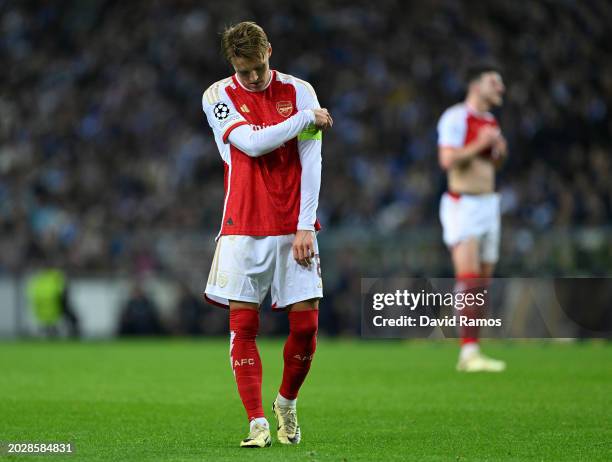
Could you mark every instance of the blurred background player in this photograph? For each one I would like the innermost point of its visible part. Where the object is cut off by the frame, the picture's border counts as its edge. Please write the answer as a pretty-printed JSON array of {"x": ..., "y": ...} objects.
[
  {"x": 267, "y": 129},
  {"x": 470, "y": 149}
]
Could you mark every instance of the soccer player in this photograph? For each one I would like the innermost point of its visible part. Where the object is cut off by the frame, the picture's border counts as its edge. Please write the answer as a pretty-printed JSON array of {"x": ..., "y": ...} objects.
[
  {"x": 267, "y": 127},
  {"x": 470, "y": 148}
]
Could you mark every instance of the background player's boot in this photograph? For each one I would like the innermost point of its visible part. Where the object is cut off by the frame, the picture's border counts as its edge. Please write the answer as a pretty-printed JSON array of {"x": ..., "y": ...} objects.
[
  {"x": 259, "y": 437},
  {"x": 477, "y": 362},
  {"x": 288, "y": 430}
]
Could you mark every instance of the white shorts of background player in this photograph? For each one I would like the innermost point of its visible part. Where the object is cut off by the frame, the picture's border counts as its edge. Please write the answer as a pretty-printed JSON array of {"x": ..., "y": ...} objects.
[
  {"x": 244, "y": 268},
  {"x": 468, "y": 216}
]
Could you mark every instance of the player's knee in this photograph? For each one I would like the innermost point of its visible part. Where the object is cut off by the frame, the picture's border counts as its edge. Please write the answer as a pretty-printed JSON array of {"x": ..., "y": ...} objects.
[
  {"x": 244, "y": 323},
  {"x": 304, "y": 323}
]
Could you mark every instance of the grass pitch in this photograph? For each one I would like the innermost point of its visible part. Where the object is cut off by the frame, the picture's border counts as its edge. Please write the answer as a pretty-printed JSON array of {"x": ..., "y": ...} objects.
[{"x": 177, "y": 401}]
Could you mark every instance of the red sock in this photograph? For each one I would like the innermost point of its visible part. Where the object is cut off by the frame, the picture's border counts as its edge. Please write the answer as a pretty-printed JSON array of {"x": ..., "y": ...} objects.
[
  {"x": 469, "y": 283},
  {"x": 245, "y": 360},
  {"x": 299, "y": 350}
]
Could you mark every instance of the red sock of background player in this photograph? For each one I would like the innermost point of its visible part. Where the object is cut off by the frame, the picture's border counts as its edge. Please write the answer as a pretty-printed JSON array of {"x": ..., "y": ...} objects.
[
  {"x": 469, "y": 283},
  {"x": 246, "y": 363},
  {"x": 299, "y": 350}
]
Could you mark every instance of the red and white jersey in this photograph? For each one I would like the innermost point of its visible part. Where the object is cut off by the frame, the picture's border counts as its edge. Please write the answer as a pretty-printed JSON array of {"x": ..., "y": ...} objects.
[
  {"x": 262, "y": 194},
  {"x": 459, "y": 126}
]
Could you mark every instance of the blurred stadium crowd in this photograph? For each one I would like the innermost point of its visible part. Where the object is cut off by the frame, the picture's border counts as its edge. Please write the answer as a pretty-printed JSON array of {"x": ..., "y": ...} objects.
[{"x": 105, "y": 151}]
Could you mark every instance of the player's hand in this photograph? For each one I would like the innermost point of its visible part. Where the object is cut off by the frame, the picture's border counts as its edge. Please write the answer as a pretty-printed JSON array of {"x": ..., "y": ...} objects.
[
  {"x": 488, "y": 136},
  {"x": 500, "y": 148},
  {"x": 323, "y": 119},
  {"x": 499, "y": 152},
  {"x": 303, "y": 247}
]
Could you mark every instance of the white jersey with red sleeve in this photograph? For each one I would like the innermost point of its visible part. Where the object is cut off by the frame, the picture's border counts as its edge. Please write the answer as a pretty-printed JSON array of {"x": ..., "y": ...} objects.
[
  {"x": 271, "y": 154},
  {"x": 459, "y": 126}
]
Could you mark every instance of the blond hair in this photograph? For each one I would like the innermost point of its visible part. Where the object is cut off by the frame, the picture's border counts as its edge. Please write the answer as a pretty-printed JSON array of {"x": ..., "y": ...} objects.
[{"x": 244, "y": 40}]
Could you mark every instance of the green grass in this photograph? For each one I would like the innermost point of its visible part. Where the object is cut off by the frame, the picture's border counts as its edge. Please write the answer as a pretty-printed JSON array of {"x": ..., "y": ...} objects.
[{"x": 176, "y": 400}]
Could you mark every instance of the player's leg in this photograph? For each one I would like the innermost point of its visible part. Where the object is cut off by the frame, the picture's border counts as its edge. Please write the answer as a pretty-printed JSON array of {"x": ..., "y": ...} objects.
[
  {"x": 466, "y": 262},
  {"x": 489, "y": 254},
  {"x": 465, "y": 221},
  {"x": 297, "y": 355},
  {"x": 299, "y": 347},
  {"x": 299, "y": 289},
  {"x": 239, "y": 279},
  {"x": 246, "y": 364},
  {"x": 470, "y": 358},
  {"x": 460, "y": 235}
]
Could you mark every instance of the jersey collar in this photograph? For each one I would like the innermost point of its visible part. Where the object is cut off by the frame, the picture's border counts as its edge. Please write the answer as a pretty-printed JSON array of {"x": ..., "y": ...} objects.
[{"x": 473, "y": 110}]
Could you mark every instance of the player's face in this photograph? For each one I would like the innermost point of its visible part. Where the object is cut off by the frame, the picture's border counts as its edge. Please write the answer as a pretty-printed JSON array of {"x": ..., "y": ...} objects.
[
  {"x": 253, "y": 74},
  {"x": 492, "y": 88}
]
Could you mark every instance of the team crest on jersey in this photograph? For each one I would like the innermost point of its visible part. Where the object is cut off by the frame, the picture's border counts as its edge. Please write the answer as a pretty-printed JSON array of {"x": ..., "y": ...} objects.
[{"x": 284, "y": 108}]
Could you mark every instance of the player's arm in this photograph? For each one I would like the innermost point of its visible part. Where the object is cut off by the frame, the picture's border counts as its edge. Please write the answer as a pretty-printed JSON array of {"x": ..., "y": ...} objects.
[
  {"x": 232, "y": 127},
  {"x": 309, "y": 148},
  {"x": 450, "y": 156},
  {"x": 451, "y": 135},
  {"x": 256, "y": 143},
  {"x": 500, "y": 152}
]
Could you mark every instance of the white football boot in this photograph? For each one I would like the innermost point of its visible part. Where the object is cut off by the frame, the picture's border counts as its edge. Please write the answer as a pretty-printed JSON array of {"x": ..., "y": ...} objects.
[
  {"x": 477, "y": 362},
  {"x": 259, "y": 437},
  {"x": 288, "y": 430}
]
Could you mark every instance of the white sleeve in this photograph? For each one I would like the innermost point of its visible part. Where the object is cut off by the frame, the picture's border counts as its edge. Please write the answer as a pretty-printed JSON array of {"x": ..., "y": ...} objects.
[
  {"x": 309, "y": 147},
  {"x": 230, "y": 126},
  {"x": 255, "y": 143},
  {"x": 452, "y": 128}
]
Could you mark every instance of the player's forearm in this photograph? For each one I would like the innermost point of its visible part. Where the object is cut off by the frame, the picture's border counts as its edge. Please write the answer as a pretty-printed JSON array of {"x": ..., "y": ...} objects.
[
  {"x": 453, "y": 157},
  {"x": 310, "y": 158},
  {"x": 255, "y": 143}
]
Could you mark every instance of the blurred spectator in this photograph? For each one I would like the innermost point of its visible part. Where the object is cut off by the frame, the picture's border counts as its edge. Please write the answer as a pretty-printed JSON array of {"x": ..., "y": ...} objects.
[
  {"x": 104, "y": 142},
  {"x": 48, "y": 295},
  {"x": 140, "y": 315}
]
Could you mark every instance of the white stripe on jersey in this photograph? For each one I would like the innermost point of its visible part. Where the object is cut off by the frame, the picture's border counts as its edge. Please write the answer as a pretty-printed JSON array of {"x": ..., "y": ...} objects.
[{"x": 229, "y": 189}]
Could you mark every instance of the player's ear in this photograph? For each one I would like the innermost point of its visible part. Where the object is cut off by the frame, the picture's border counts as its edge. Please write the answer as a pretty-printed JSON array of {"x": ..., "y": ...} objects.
[{"x": 269, "y": 50}]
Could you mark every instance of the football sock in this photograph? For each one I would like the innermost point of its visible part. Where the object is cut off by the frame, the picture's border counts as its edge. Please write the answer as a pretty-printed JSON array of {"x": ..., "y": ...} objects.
[
  {"x": 261, "y": 421},
  {"x": 468, "y": 349},
  {"x": 469, "y": 283},
  {"x": 299, "y": 350},
  {"x": 246, "y": 363},
  {"x": 284, "y": 402}
]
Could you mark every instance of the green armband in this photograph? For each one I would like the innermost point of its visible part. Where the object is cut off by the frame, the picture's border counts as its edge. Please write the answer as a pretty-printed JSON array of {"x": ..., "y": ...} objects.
[{"x": 310, "y": 133}]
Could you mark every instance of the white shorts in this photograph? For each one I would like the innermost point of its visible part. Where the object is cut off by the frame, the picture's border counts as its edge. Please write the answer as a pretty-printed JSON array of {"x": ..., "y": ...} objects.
[
  {"x": 245, "y": 267},
  {"x": 470, "y": 216}
]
